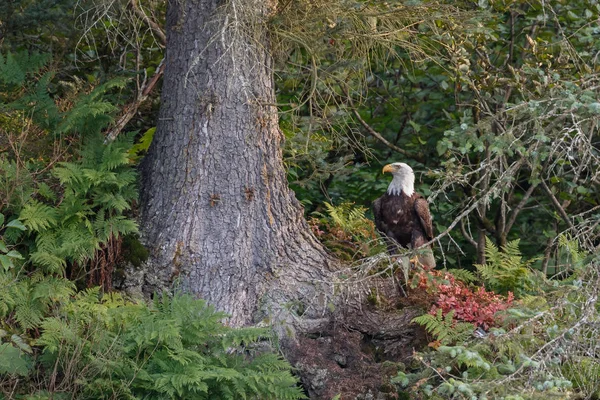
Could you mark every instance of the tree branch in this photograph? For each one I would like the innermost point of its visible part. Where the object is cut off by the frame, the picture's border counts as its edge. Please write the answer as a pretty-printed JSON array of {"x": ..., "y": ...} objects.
[
  {"x": 515, "y": 212},
  {"x": 465, "y": 234},
  {"x": 418, "y": 157},
  {"x": 156, "y": 29},
  {"x": 131, "y": 109},
  {"x": 557, "y": 205}
]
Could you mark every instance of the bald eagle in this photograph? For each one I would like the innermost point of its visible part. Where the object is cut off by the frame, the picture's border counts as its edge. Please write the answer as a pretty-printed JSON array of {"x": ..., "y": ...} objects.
[{"x": 402, "y": 215}]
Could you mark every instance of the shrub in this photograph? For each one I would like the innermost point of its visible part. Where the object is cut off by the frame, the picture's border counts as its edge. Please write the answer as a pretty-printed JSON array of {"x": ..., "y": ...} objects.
[
  {"x": 346, "y": 231},
  {"x": 478, "y": 307},
  {"x": 105, "y": 347}
]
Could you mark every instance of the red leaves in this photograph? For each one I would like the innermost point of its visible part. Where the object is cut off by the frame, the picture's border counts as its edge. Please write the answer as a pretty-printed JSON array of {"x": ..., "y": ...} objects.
[{"x": 478, "y": 307}]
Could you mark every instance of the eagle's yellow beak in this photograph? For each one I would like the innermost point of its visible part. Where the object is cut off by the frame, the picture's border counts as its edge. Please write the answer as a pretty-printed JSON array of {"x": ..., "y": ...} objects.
[{"x": 388, "y": 168}]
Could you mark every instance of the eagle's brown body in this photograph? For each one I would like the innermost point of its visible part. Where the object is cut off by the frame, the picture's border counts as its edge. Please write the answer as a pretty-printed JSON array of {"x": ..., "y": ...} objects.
[{"x": 403, "y": 218}]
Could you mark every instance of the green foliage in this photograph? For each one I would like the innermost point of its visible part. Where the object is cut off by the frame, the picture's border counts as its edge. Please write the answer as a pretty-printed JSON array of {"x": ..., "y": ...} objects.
[
  {"x": 92, "y": 111},
  {"x": 24, "y": 300},
  {"x": 12, "y": 360},
  {"x": 8, "y": 255},
  {"x": 443, "y": 328},
  {"x": 542, "y": 346},
  {"x": 350, "y": 219},
  {"x": 463, "y": 275},
  {"x": 25, "y": 83},
  {"x": 505, "y": 101},
  {"x": 14, "y": 68},
  {"x": 142, "y": 145},
  {"x": 584, "y": 373},
  {"x": 97, "y": 190},
  {"x": 97, "y": 346},
  {"x": 505, "y": 271},
  {"x": 176, "y": 349},
  {"x": 346, "y": 230}
]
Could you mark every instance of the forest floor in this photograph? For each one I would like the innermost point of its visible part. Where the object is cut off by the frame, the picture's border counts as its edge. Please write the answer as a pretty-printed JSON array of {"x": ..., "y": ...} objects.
[{"x": 341, "y": 361}]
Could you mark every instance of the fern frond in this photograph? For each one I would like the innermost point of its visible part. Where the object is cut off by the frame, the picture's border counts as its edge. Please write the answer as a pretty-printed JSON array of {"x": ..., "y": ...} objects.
[
  {"x": 51, "y": 263},
  {"x": 78, "y": 243},
  {"x": 444, "y": 328},
  {"x": 68, "y": 173},
  {"x": 463, "y": 275},
  {"x": 113, "y": 201},
  {"x": 53, "y": 289},
  {"x": 46, "y": 192},
  {"x": 113, "y": 157},
  {"x": 28, "y": 311},
  {"x": 10, "y": 70},
  {"x": 37, "y": 216},
  {"x": 505, "y": 271}
]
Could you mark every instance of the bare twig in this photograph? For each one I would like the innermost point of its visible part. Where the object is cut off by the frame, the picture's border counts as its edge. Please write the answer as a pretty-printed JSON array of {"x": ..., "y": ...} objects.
[
  {"x": 515, "y": 212},
  {"x": 557, "y": 205},
  {"x": 156, "y": 29},
  {"x": 466, "y": 234},
  {"x": 417, "y": 157},
  {"x": 131, "y": 109}
]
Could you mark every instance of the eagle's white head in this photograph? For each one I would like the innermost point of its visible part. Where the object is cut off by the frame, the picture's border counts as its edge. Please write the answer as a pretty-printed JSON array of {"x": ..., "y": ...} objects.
[{"x": 403, "y": 181}]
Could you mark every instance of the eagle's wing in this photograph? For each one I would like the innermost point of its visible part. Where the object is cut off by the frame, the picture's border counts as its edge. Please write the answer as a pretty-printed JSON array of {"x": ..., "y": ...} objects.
[
  {"x": 422, "y": 209},
  {"x": 378, "y": 216}
]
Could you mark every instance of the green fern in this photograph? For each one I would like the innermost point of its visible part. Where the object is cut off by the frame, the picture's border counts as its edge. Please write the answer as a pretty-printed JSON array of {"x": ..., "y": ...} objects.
[
  {"x": 14, "y": 67},
  {"x": 178, "y": 348},
  {"x": 505, "y": 271},
  {"x": 349, "y": 218},
  {"x": 571, "y": 255},
  {"x": 37, "y": 216},
  {"x": 142, "y": 145},
  {"x": 463, "y": 275},
  {"x": 443, "y": 328},
  {"x": 92, "y": 112},
  {"x": 97, "y": 190}
]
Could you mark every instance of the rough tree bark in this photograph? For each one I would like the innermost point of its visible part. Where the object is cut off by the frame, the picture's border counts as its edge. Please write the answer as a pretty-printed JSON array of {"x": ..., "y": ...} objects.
[{"x": 217, "y": 213}]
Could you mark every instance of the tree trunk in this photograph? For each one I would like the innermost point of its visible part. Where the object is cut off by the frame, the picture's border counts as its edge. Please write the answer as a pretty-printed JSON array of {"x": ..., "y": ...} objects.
[{"x": 217, "y": 213}]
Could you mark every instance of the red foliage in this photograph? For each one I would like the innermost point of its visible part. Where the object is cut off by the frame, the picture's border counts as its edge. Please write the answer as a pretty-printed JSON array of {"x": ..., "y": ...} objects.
[{"x": 478, "y": 307}]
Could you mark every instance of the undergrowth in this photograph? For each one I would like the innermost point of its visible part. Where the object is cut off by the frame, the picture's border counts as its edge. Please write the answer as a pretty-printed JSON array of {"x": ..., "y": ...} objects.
[
  {"x": 346, "y": 231},
  {"x": 66, "y": 203},
  {"x": 536, "y": 344}
]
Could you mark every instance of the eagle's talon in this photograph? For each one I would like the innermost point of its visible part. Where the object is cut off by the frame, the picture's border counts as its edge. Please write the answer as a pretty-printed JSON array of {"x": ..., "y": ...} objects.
[{"x": 414, "y": 261}]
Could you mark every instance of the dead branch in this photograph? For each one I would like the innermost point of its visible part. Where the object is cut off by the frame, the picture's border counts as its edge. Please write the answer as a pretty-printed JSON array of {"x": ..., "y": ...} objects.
[
  {"x": 156, "y": 29},
  {"x": 417, "y": 157},
  {"x": 515, "y": 212},
  {"x": 557, "y": 205},
  {"x": 466, "y": 234},
  {"x": 131, "y": 109}
]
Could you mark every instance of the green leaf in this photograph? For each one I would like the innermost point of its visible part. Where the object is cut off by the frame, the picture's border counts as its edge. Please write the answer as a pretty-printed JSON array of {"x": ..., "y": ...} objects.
[
  {"x": 20, "y": 343},
  {"x": 15, "y": 223},
  {"x": 14, "y": 254},
  {"x": 416, "y": 127},
  {"x": 6, "y": 262},
  {"x": 11, "y": 361}
]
